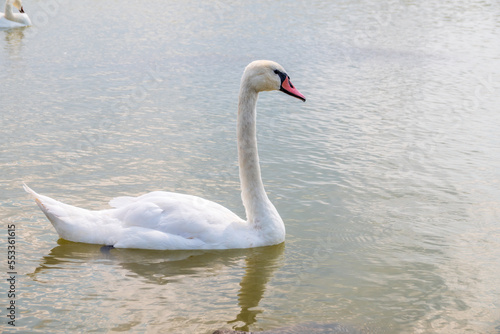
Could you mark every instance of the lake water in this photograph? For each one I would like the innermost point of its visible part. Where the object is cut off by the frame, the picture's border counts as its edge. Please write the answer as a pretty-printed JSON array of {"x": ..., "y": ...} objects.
[{"x": 387, "y": 178}]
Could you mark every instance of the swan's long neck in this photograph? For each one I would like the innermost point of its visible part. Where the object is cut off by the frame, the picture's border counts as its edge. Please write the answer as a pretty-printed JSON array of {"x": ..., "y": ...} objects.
[
  {"x": 259, "y": 210},
  {"x": 10, "y": 15}
]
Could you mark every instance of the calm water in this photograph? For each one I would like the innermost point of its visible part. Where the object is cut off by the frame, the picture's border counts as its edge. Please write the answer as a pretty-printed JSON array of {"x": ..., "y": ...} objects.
[{"x": 388, "y": 177}]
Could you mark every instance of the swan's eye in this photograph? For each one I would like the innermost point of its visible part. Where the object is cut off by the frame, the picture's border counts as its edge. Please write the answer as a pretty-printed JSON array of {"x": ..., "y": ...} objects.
[{"x": 281, "y": 75}]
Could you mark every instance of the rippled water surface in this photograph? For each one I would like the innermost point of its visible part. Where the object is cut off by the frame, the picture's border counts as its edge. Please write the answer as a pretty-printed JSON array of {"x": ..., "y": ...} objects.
[{"x": 387, "y": 178}]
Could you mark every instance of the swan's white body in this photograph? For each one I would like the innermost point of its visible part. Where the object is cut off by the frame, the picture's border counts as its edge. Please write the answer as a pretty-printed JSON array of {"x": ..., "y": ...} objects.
[
  {"x": 165, "y": 220},
  {"x": 9, "y": 19}
]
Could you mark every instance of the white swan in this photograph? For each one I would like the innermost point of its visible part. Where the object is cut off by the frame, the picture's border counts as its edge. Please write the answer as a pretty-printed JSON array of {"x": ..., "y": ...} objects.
[
  {"x": 14, "y": 20},
  {"x": 165, "y": 220}
]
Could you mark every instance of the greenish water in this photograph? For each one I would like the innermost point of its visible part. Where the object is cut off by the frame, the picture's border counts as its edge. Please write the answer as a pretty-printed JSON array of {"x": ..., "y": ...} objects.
[{"x": 387, "y": 178}]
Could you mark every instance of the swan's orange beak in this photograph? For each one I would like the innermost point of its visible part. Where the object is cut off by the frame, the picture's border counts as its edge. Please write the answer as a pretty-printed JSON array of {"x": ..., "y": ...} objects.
[{"x": 288, "y": 88}]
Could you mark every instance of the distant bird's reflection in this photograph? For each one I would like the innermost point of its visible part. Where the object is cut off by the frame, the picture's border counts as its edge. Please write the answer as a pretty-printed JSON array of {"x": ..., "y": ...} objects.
[
  {"x": 162, "y": 267},
  {"x": 14, "y": 38}
]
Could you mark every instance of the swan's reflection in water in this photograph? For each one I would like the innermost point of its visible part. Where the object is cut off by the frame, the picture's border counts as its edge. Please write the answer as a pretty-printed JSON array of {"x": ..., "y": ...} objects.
[
  {"x": 260, "y": 264},
  {"x": 164, "y": 267},
  {"x": 14, "y": 38}
]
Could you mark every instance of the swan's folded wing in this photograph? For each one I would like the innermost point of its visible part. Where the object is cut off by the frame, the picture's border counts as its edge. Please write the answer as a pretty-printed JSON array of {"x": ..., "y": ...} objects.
[{"x": 178, "y": 214}]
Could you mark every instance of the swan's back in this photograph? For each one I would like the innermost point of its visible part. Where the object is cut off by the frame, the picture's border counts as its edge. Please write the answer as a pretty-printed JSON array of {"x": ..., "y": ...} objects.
[
  {"x": 7, "y": 24},
  {"x": 24, "y": 21}
]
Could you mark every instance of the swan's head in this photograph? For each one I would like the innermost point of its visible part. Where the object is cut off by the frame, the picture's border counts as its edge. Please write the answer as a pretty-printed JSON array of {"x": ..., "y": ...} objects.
[
  {"x": 265, "y": 75},
  {"x": 18, "y": 5}
]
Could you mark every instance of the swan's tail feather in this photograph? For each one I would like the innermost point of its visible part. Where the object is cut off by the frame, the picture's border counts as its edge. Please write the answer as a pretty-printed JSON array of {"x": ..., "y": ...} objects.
[
  {"x": 36, "y": 196},
  {"x": 69, "y": 221},
  {"x": 50, "y": 206}
]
